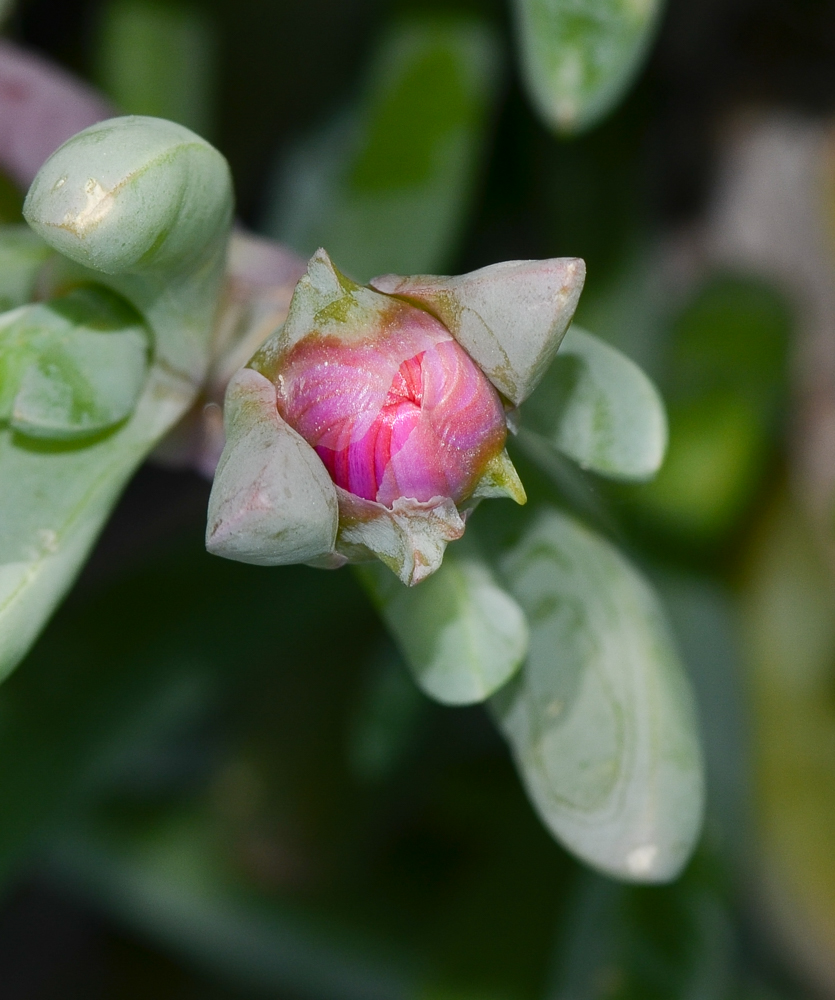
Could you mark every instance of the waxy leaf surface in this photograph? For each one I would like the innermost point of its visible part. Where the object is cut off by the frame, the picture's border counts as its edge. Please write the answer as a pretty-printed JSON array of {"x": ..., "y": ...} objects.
[
  {"x": 272, "y": 502},
  {"x": 73, "y": 367},
  {"x": 461, "y": 634},
  {"x": 599, "y": 408},
  {"x": 145, "y": 206},
  {"x": 601, "y": 719}
]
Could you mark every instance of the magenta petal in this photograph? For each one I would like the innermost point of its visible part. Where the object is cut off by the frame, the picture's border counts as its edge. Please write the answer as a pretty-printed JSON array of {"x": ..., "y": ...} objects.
[{"x": 404, "y": 413}]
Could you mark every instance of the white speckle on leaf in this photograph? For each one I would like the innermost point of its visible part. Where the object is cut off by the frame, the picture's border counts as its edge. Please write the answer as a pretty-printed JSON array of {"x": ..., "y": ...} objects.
[
  {"x": 99, "y": 203},
  {"x": 640, "y": 860},
  {"x": 47, "y": 540}
]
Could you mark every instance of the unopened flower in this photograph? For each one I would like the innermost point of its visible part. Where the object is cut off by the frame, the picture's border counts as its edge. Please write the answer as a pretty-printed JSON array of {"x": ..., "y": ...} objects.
[{"x": 375, "y": 419}]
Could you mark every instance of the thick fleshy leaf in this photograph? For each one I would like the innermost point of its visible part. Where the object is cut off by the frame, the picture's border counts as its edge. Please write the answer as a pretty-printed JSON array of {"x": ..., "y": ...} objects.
[
  {"x": 579, "y": 56},
  {"x": 41, "y": 106},
  {"x": 272, "y": 502},
  {"x": 157, "y": 59},
  {"x": 53, "y": 503},
  {"x": 599, "y": 408},
  {"x": 22, "y": 255},
  {"x": 509, "y": 317},
  {"x": 461, "y": 634},
  {"x": 389, "y": 186},
  {"x": 601, "y": 719},
  {"x": 82, "y": 361},
  {"x": 146, "y": 205},
  {"x": 151, "y": 201}
]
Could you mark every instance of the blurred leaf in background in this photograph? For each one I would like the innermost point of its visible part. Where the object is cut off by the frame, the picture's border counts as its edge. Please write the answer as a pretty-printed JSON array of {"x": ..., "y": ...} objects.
[
  {"x": 789, "y": 619},
  {"x": 724, "y": 378},
  {"x": 625, "y": 943},
  {"x": 158, "y": 59},
  {"x": 580, "y": 56},
  {"x": 386, "y": 186}
]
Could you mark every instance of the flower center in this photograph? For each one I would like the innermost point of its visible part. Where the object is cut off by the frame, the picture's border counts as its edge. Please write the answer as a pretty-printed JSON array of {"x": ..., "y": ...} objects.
[
  {"x": 407, "y": 384},
  {"x": 361, "y": 466}
]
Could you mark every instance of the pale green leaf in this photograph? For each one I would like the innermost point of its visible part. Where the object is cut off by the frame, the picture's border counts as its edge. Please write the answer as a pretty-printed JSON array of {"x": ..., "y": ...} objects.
[
  {"x": 460, "y": 633},
  {"x": 599, "y": 408},
  {"x": 82, "y": 361},
  {"x": 579, "y": 56},
  {"x": 272, "y": 502},
  {"x": 387, "y": 187},
  {"x": 54, "y": 500},
  {"x": 601, "y": 719},
  {"x": 22, "y": 255},
  {"x": 145, "y": 206}
]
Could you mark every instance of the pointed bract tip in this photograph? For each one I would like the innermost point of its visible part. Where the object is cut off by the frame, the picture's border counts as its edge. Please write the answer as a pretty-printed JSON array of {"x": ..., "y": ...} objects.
[{"x": 500, "y": 479}]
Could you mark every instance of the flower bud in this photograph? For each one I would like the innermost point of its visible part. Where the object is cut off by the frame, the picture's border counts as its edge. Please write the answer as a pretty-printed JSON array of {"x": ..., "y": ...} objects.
[
  {"x": 402, "y": 412},
  {"x": 409, "y": 424}
]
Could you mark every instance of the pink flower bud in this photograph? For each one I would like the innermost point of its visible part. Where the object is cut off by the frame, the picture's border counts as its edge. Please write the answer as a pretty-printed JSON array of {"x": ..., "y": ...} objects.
[
  {"x": 401, "y": 411},
  {"x": 370, "y": 424}
]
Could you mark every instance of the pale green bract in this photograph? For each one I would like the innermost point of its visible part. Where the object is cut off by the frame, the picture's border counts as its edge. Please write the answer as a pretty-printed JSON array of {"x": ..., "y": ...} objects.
[
  {"x": 579, "y": 56},
  {"x": 461, "y": 634},
  {"x": 144, "y": 206},
  {"x": 601, "y": 719},
  {"x": 600, "y": 409}
]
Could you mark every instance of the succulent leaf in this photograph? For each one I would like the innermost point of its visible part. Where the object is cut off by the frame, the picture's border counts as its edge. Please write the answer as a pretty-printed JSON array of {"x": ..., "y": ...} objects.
[
  {"x": 85, "y": 364},
  {"x": 599, "y": 408},
  {"x": 579, "y": 56},
  {"x": 462, "y": 635},
  {"x": 601, "y": 719},
  {"x": 148, "y": 203}
]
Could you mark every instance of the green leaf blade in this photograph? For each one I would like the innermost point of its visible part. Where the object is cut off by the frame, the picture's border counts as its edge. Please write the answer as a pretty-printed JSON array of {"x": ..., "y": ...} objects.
[
  {"x": 22, "y": 255},
  {"x": 386, "y": 188},
  {"x": 579, "y": 56},
  {"x": 461, "y": 634},
  {"x": 54, "y": 500},
  {"x": 87, "y": 357},
  {"x": 601, "y": 720},
  {"x": 598, "y": 408}
]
